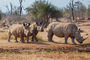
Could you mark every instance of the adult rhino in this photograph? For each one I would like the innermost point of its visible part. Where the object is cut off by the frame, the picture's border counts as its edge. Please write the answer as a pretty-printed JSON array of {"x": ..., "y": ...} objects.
[
  {"x": 19, "y": 30},
  {"x": 65, "y": 30}
]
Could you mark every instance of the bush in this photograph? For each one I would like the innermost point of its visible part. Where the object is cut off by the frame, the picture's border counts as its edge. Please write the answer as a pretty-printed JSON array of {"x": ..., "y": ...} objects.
[{"x": 43, "y": 11}]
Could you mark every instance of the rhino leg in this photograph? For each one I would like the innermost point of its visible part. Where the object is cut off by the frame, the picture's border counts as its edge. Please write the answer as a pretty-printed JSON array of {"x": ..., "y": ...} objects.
[
  {"x": 27, "y": 38},
  {"x": 73, "y": 40},
  {"x": 9, "y": 36},
  {"x": 32, "y": 38},
  {"x": 16, "y": 39},
  {"x": 36, "y": 38},
  {"x": 22, "y": 39},
  {"x": 66, "y": 38},
  {"x": 50, "y": 36}
]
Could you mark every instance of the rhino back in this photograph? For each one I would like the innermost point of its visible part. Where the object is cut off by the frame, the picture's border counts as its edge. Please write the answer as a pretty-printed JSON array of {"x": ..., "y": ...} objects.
[
  {"x": 16, "y": 29},
  {"x": 63, "y": 29},
  {"x": 51, "y": 26},
  {"x": 33, "y": 28}
]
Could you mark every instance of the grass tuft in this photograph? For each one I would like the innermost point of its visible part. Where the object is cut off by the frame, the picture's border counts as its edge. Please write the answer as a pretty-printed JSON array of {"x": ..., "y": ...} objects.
[
  {"x": 4, "y": 35},
  {"x": 45, "y": 52}
]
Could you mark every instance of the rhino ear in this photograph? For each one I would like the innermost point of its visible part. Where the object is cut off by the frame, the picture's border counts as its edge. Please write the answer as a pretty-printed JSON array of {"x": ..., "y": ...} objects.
[
  {"x": 29, "y": 24},
  {"x": 80, "y": 30},
  {"x": 37, "y": 23},
  {"x": 24, "y": 24}
]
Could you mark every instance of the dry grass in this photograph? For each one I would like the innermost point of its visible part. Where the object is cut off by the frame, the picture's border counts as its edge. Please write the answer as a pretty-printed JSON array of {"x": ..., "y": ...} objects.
[
  {"x": 45, "y": 56},
  {"x": 42, "y": 36},
  {"x": 3, "y": 35}
]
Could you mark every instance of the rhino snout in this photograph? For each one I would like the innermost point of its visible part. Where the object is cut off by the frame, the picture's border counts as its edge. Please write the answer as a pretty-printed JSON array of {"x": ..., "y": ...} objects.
[{"x": 26, "y": 32}]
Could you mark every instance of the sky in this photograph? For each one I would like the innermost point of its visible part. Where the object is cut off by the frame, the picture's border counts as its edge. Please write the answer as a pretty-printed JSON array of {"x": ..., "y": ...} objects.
[{"x": 27, "y": 3}]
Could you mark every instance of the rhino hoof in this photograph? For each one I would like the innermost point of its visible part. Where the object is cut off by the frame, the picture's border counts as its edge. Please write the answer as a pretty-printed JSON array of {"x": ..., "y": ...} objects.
[
  {"x": 28, "y": 42},
  {"x": 65, "y": 43},
  {"x": 16, "y": 42},
  {"x": 36, "y": 40},
  {"x": 23, "y": 42},
  {"x": 51, "y": 41},
  {"x": 32, "y": 40},
  {"x": 8, "y": 41},
  {"x": 75, "y": 44}
]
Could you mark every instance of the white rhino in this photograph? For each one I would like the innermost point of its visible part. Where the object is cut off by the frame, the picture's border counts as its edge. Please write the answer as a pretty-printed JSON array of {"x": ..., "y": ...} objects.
[
  {"x": 19, "y": 30},
  {"x": 34, "y": 32},
  {"x": 65, "y": 30},
  {"x": 34, "y": 29}
]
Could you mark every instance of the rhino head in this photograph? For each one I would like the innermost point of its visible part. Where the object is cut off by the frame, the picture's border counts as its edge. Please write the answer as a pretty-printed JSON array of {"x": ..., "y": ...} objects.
[
  {"x": 79, "y": 38},
  {"x": 40, "y": 28},
  {"x": 26, "y": 28},
  {"x": 35, "y": 26},
  {"x": 26, "y": 25}
]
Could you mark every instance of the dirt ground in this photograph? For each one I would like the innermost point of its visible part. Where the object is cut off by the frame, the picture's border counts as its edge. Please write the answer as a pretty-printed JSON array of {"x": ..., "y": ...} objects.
[{"x": 44, "y": 50}]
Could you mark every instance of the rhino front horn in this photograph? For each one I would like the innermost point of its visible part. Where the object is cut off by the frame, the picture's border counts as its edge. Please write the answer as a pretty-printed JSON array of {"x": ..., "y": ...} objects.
[{"x": 85, "y": 37}]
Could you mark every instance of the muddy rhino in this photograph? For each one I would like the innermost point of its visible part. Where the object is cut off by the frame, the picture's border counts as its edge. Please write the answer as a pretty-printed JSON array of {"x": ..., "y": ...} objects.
[
  {"x": 65, "y": 30},
  {"x": 19, "y": 30}
]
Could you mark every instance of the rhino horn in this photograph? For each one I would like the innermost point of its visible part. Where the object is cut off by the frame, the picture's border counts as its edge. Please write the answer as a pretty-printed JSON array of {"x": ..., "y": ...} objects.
[{"x": 85, "y": 37}]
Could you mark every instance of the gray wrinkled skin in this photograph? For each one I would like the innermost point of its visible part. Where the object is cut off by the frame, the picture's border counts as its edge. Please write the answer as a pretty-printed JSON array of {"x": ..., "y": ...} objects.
[
  {"x": 19, "y": 30},
  {"x": 34, "y": 31},
  {"x": 65, "y": 30}
]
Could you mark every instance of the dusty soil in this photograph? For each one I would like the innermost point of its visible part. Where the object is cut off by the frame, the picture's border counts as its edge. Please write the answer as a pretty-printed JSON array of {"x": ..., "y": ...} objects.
[{"x": 47, "y": 50}]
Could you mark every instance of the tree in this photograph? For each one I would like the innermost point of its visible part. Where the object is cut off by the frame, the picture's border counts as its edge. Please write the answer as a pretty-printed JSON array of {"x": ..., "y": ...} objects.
[
  {"x": 1, "y": 15},
  {"x": 71, "y": 8},
  {"x": 75, "y": 9},
  {"x": 88, "y": 11},
  {"x": 14, "y": 9},
  {"x": 8, "y": 9},
  {"x": 42, "y": 10},
  {"x": 80, "y": 9},
  {"x": 21, "y": 6},
  {"x": 11, "y": 6}
]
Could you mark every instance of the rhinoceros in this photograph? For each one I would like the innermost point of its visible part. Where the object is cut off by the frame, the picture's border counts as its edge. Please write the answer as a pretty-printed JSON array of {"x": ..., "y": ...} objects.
[
  {"x": 19, "y": 30},
  {"x": 65, "y": 30},
  {"x": 34, "y": 29}
]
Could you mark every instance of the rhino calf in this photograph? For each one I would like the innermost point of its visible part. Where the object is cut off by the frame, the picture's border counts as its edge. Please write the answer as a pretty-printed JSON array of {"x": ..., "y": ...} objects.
[
  {"x": 65, "y": 30},
  {"x": 34, "y": 31},
  {"x": 19, "y": 30}
]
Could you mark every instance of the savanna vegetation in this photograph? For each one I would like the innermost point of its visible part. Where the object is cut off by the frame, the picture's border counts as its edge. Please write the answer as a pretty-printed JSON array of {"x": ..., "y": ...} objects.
[{"x": 43, "y": 13}]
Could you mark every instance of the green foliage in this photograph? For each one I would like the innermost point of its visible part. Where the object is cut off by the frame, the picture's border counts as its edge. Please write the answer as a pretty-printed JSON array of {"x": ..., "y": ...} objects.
[
  {"x": 44, "y": 52},
  {"x": 88, "y": 11},
  {"x": 1, "y": 15},
  {"x": 42, "y": 10}
]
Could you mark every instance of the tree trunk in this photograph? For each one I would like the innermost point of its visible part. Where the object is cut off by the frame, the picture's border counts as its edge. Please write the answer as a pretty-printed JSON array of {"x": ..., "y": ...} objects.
[{"x": 72, "y": 10}]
